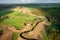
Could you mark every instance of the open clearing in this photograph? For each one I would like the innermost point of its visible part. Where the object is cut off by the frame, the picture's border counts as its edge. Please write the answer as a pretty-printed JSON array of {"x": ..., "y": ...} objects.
[{"x": 20, "y": 21}]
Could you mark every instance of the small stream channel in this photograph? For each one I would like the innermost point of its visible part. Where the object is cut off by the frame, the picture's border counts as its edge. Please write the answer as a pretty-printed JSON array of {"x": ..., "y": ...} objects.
[{"x": 21, "y": 34}]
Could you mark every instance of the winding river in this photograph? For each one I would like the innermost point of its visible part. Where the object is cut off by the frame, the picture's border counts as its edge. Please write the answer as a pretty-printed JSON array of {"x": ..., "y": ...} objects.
[{"x": 21, "y": 34}]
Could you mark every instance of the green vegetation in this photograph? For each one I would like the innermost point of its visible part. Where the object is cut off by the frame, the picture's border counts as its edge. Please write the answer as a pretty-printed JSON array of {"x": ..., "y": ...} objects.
[
  {"x": 44, "y": 34},
  {"x": 15, "y": 36},
  {"x": 53, "y": 14},
  {"x": 16, "y": 19},
  {"x": 53, "y": 32}
]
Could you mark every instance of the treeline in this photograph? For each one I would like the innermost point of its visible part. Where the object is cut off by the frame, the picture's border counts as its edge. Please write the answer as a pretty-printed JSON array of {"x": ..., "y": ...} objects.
[
  {"x": 53, "y": 14},
  {"x": 53, "y": 30},
  {"x": 42, "y": 5},
  {"x": 5, "y": 6}
]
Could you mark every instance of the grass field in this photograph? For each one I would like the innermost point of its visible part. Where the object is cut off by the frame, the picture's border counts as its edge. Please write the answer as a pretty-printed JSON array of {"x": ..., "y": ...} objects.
[{"x": 15, "y": 19}]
